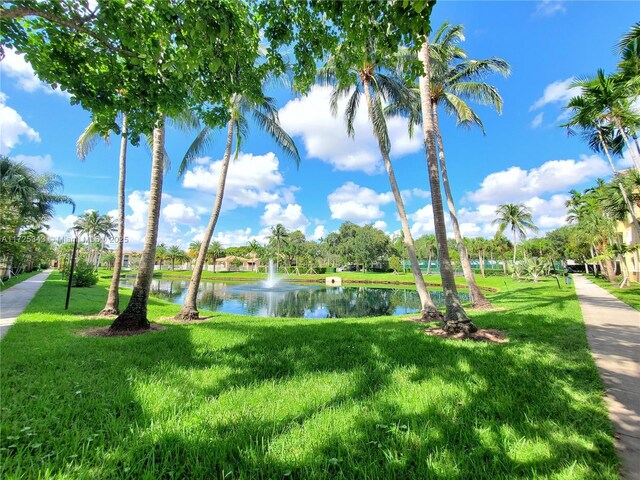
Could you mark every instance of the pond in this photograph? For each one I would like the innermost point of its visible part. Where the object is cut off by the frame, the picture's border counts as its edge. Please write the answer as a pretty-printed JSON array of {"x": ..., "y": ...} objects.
[{"x": 295, "y": 300}]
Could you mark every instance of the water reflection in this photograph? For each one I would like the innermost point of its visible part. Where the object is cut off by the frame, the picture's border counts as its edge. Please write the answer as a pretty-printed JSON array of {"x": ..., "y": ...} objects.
[{"x": 298, "y": 301}]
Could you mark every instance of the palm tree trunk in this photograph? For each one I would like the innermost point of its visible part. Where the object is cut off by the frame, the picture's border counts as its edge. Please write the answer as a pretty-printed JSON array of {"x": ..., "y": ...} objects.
[
  {"x": 478, "y": 300},
  {"x": 134, "y": 317},
  {"x": 429, "y": 309},
  {"x": 504, "y": 264},
  {"x": 515, "y": 246},
  {"x": 632, "y": 152},
  {"x": 456, "y": 320},
  {"x": 189, "y": 310},
  {"x": 429, "y": 265},
  {"x": 481, "y": 260}
]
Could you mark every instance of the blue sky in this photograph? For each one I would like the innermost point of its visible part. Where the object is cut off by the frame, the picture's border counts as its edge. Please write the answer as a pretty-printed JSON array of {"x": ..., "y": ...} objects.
[{"x": 524, "y": 157}]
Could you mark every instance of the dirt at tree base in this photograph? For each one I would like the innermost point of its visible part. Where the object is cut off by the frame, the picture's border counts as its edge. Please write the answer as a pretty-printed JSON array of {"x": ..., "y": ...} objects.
[
  {"x": 106, "y": 332},
  {"x": 489, "y": 335}
]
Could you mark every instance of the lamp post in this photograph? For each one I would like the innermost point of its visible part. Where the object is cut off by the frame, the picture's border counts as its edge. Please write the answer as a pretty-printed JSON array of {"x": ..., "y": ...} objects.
[{"x": 73, "y": 264}]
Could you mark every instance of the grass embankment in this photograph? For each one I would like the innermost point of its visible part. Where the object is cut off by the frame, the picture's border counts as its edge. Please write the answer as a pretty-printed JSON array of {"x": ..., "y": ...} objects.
[
  {"x": 17, "y": 279},
  {"x": 629, "y": 295},
  {"x": 243, "y": 397}
]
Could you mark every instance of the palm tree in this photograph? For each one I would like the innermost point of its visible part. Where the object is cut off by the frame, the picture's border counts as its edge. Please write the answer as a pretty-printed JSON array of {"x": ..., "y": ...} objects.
[
  {"x": 501, "y": 245},
  {"x": 265, "y": 113},
  {"x": 176, "y": 253},
  {"x": 456, "y": 319},
  {"x": 84, "y": 145},
  {"x": 372, "y": 79},
  {"x": 454, "y": 79},
  {"x": 278, "y": 236},
  {"x": 97, "y": 228},
  {"x": 588, "y": 118},
  {"x": 134, "y": 316},
  {"x": 161, "y": 254},
  {"x": 214, "y": 252},
  {"x": 517, "y": 217}
]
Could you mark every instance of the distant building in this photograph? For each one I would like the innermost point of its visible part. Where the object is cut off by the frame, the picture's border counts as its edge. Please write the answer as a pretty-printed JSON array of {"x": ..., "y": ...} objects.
[{"x": 233, "y": 263}]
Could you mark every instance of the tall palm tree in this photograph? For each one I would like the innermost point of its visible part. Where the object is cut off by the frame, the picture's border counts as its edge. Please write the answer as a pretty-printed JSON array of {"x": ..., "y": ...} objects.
[
  {"x": 134, "y": 316},
  {"x": 518, "y": 218},
  {"x": 594, "y": 125},
  {"x": 265, "y": 113},
  {"x": 456, "y": 319},
  {"x": 455, "y": 80},
  {"x": 377, "y": 84},
  {"x": 607, "y": 99},
  {"x": 84, "y": 145}
]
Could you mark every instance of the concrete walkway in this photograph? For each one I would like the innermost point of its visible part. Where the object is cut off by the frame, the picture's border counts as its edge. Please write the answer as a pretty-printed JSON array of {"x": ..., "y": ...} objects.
[
  {"x": 613, "y": 330},
  {"x": 15, "y": 299}
]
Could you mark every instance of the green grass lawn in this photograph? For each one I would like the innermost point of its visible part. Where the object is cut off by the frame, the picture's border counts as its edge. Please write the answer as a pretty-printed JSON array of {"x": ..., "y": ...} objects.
[
  {"x": 17, "y": 279},
  {"x": 629, "y": 295},
  {"x": 255, "y": 398}
]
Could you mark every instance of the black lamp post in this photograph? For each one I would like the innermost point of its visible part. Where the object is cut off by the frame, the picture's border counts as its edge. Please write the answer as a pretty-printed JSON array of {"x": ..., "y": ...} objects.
[{"x": 73, "y": 264}]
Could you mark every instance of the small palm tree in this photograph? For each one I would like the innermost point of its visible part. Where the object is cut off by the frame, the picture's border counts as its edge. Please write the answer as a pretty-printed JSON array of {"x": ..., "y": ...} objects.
[
  {"x": 161, "y": 254},
  {"x": 518, "y": 218},
  {"x": 214, "y": 252},
  {"x": 175, "y": 253}
]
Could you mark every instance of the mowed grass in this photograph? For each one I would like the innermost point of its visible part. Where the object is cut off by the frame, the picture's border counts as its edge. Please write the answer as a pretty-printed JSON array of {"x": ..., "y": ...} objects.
[
  {"x": 629, "y": 295},
  {"x": 17, "y": 279},
  {"x": 254, "y": 398}
]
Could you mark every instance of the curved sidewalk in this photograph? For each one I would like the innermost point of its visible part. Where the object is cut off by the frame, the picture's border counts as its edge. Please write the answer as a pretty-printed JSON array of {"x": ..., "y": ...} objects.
[
  {"x": 613, "y": 330},
  {"x": 15, "y": 299}
]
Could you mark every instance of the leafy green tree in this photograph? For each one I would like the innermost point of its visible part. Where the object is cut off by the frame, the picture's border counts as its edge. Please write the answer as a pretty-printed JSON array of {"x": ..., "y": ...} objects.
[
  {"x": 175, "y": 253},
  {"x": 214, "y": 252}
]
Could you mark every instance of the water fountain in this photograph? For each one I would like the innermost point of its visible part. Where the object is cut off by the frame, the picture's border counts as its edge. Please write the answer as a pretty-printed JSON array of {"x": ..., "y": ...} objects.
[{"x": 272, "y": 280}]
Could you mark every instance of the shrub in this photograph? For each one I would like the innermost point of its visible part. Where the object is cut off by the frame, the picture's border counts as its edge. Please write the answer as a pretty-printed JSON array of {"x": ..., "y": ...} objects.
[{"x": 83, "y": 274}]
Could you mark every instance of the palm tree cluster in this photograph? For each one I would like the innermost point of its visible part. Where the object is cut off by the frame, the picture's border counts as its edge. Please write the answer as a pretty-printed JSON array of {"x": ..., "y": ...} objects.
[
  {"x": 27, "y": 202},
  {"x": 595, "y": 214}
]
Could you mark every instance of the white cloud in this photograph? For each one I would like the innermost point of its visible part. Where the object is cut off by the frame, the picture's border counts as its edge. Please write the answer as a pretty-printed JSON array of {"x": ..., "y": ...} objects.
[
  {"x": 548, "y": 8},
  {"x": 557, "y": 92},
  {"x": 515, "y": 184},
  {"x": 357, "y": 204},
  {"x": 237, "y": 238},
  {"x": 14, "y": 129},
  {"x": 251, "y": 180},
  {"x": 291, "y": 216},
  {"x": 627, "y": 160},
  {"x": 178, "y": 213},
  {"x": 15, "y": 66},
  {"x": 40, "y": 163},
  {"x": 380, "y": 224},
  {"x": 422, "y": 221},
  {"x": 537, "y": 120},
  {"x": 318, "y": 233},
  {"x": 58, "y": 227},
  {"x": 325, "y": 136}
]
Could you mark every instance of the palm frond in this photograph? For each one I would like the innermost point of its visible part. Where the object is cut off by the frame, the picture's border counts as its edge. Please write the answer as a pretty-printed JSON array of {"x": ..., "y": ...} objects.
[
  {"x": 203, "y": 141},
  {"x": 88, "y": 140},
  {"x": 481, "y": 93},
  {"x": 270, "y": 125},
  {"x": 351, "y": 110}
]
